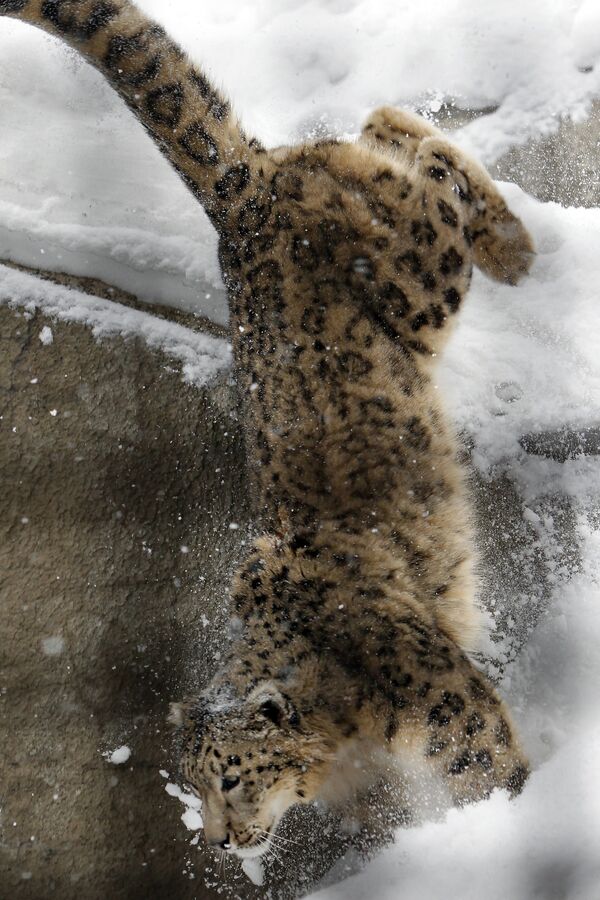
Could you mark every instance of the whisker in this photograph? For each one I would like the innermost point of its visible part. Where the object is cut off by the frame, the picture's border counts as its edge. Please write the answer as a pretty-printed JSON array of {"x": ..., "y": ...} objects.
[
  {"x": 274, "y": 853},
  {"x": 272, "y": 848},
  {"x": 279, "y": 837},
  {"x": 282, "y": 847},
  {"x": 269, "y": 854}
]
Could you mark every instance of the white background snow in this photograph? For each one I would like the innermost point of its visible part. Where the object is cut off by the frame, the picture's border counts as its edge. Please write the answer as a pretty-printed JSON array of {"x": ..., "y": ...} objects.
[{"x": 83, "y": 190}]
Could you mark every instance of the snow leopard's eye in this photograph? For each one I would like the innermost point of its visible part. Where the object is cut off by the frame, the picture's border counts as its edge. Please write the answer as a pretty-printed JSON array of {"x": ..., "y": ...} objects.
[{"x": 271, "y": 711}]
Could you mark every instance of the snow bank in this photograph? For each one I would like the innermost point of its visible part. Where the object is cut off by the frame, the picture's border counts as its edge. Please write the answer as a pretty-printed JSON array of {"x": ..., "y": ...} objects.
[
  {"x": 525, "y": 359},
  {"x": 200, "y": 355},
  {"x": 112, "y": 208}
]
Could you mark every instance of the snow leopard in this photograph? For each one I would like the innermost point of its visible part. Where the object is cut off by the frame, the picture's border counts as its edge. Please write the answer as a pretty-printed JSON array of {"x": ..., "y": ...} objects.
[{"x": 353, "y": 614}]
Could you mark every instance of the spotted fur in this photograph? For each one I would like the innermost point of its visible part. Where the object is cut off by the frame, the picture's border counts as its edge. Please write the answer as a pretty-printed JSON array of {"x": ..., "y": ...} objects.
[{"x": 346, "y": 265}]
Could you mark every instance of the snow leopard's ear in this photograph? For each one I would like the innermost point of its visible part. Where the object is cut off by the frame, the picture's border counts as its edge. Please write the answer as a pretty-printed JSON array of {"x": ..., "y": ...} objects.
[
  {"x": 270, "y": 704},
  {"x": 187, "y": 714},
  {"x": 177, "y": 715},
  {"x": 502, "y": 246}
]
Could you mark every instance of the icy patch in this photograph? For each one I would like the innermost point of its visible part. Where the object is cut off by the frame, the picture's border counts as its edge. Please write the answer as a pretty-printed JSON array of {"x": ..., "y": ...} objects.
[
  {"x": 200, "y": 355},
  {"x": 119, "y": 756},
  {"x": 53, "y": 646}
]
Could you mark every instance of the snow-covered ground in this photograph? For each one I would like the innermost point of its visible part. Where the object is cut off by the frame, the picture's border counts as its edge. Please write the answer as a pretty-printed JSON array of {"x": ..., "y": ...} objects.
[
  {"x": 87, "y": 193},
  {"x": 83, "y": 189}
]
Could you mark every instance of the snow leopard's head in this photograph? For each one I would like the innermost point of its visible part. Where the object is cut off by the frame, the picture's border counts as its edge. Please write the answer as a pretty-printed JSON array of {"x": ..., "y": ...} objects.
[{"x": 248, "y": 761}]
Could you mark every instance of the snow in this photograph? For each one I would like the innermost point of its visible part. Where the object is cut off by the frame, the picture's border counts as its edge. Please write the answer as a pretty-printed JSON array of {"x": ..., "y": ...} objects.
[
  {"x": 113, "y": 209},
  {"x": 192, "y": 817},
  {"x": 523, "y": 361},
  {"x": 192, "y": 820},
  {"x": 119, "y": 756},
  {"x": 46, "y": 336},
  {"x": 254, "y": 870},
  {"x": 200, "y": 355},
  {"x": 586, "y": 34}
]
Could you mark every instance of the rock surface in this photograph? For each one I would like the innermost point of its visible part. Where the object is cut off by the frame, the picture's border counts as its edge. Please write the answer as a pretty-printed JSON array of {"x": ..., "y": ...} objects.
[{"x": 119, "y": 484}]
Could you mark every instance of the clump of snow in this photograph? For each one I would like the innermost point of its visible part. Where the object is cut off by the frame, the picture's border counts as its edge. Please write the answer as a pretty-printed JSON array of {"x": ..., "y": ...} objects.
[
  {"x": 119, "y": 756},
  {"x": 54, "y": 645},
  {"x": 192, "y": 817},
  {"x": 254, "y": 870},
  {"x": 46, "y": 336}
]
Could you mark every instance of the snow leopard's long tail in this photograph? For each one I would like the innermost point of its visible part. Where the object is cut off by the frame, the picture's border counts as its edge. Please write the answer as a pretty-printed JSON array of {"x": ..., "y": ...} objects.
[{"x": 188, "y": 119}]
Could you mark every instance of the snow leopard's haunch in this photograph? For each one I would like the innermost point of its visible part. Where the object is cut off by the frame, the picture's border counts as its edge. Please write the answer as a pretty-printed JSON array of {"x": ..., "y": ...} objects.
[{"x": 346, "y": 265}]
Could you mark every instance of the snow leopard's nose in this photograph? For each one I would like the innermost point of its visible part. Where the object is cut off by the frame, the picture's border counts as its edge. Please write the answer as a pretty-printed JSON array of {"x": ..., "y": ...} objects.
[{"x": 222, "y": 843}]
